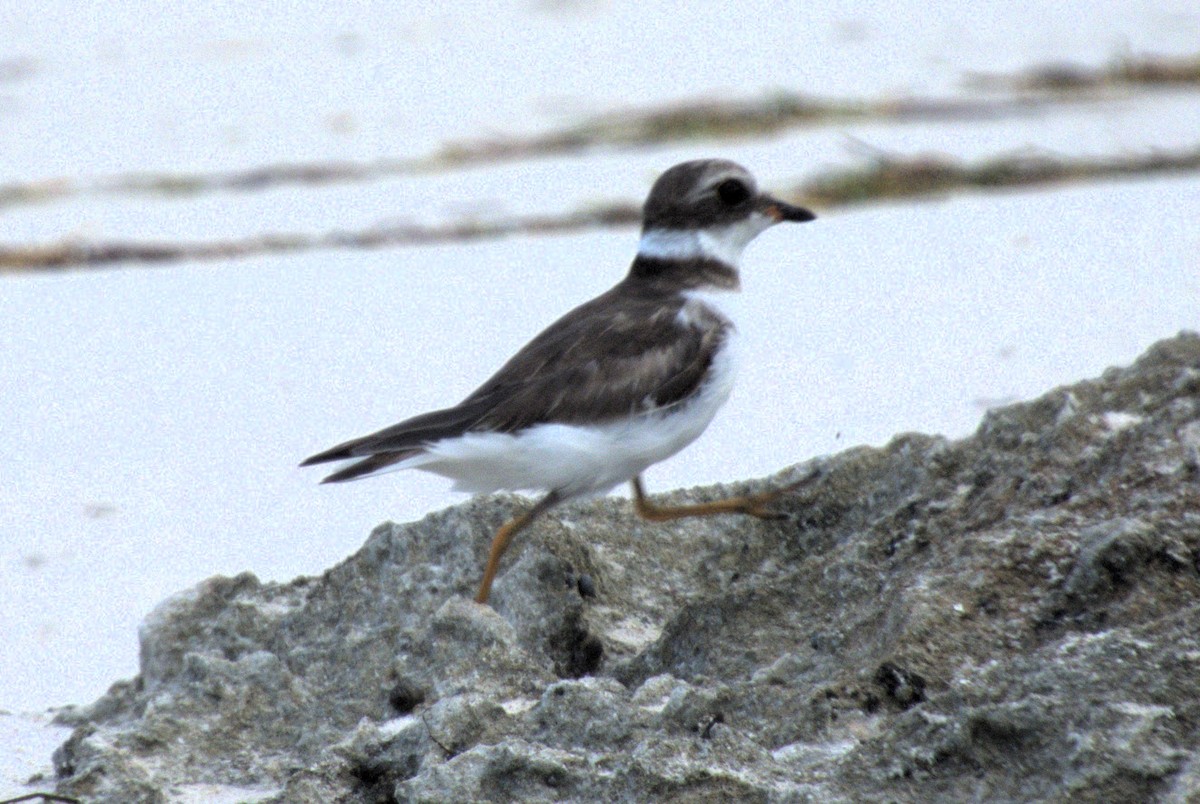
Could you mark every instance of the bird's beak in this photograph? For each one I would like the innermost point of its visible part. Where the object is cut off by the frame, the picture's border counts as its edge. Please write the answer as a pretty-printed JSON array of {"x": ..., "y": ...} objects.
[{"x": 781, "y": 211}]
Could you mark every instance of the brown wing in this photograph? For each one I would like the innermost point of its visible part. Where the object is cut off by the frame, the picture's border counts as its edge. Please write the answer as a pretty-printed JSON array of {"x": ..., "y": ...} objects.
[
  {"x": 395, "y": 443},
  {"x": 618, "y": 354},
  {"x": 611, "y": 357}
]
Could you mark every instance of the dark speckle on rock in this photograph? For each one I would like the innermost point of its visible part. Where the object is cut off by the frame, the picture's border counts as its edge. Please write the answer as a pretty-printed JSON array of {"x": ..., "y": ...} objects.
[
  {"x": 902, "y": 686},
  {"x": 707, "y": 732},
  {"x": 405, "y": 696}
]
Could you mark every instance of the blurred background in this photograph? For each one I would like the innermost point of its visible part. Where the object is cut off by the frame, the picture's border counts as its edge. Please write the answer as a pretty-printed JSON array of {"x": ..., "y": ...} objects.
[{"x": 230, "y": 239}]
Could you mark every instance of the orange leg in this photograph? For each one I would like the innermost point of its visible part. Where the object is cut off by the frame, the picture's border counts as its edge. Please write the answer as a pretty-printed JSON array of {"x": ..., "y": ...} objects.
[
  {"x": 505, "y": 535},
  {"x": 758, "y": 505}
]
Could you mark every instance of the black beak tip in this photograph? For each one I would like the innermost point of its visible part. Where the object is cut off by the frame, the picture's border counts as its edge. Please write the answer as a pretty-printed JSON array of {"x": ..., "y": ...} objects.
[
  {"x": 787, "y": 212},
  {"x": 782, "y": 211}
]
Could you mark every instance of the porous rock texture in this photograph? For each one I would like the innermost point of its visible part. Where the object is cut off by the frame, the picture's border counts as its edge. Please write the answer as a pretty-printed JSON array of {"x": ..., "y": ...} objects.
[{"x": 1014, "y": 616}]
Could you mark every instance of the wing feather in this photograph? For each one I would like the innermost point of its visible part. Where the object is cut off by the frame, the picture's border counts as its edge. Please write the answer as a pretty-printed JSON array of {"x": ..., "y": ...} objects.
[
  {"x": 603, "y": 363},
  {"x": 617, "y": 355}
]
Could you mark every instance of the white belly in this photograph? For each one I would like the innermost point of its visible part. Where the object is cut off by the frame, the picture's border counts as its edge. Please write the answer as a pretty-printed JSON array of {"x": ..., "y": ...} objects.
[{"x": 578, "y": 460}]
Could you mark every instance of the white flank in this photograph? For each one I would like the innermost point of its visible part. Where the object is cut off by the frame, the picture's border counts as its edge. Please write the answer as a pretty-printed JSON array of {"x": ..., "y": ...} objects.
[
  {"x": 723, "y": 243},
  {"x": 579, "y": 460}
]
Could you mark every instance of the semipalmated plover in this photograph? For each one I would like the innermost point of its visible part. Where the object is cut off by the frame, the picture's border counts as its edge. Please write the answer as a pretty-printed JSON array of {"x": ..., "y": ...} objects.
[{"x": 621, "y": 382}]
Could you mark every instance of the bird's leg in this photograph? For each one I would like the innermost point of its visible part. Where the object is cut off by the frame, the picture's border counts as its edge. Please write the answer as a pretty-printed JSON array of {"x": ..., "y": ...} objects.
[
  {"x": 505, "y": 535},
  {"x": 757, "y": 505}
]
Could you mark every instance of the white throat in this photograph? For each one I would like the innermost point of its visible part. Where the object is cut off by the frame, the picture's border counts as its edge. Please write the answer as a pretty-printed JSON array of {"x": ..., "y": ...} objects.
[{"x": 722, "y": 243}]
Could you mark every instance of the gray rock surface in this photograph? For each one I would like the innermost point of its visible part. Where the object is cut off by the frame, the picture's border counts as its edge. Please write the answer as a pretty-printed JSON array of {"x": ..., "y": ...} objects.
[{"x": 1013, "y": 617}]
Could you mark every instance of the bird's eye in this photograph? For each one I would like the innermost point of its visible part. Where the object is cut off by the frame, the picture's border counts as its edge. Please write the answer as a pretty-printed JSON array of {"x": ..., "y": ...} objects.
[{"x": 732, "y": 192}]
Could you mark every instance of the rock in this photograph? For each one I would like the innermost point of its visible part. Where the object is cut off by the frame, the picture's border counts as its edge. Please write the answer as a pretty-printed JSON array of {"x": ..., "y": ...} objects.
[{"x": 1012, "y": 616}]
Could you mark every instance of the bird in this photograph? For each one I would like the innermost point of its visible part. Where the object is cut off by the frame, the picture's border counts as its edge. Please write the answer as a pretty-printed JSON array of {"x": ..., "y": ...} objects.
[{"x": 621, "y": 382}]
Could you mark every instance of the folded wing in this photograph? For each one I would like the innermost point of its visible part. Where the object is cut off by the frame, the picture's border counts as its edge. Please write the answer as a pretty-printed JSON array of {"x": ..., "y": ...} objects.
[{"x": 599, "y": 362}]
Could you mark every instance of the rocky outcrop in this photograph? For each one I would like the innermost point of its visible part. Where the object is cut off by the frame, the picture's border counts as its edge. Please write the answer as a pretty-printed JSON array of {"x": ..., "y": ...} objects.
[{"x": 1012, "y": 616}]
